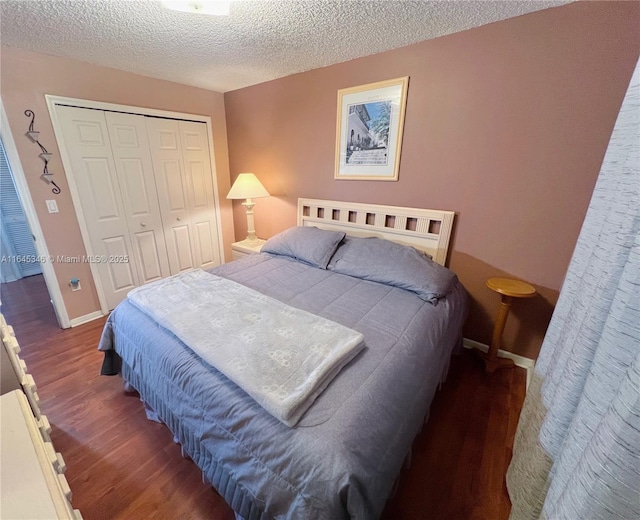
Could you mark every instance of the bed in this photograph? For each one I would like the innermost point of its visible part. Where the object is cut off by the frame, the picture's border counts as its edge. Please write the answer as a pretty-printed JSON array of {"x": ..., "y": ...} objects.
[{"x": 342, "y": 456}]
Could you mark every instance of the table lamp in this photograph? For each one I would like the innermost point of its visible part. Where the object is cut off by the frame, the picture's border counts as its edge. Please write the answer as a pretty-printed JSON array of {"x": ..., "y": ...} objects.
[{"x": 247, "y": 186}]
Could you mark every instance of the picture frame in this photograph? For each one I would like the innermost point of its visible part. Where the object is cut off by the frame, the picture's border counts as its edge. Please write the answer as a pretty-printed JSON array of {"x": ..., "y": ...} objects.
[{"x": 370, "y": 122}]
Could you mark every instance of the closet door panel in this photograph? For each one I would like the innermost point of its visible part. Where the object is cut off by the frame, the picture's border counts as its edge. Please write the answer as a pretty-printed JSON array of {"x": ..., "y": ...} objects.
[
  {"x": 199, "y": 187},
  {"x": 120, "y": 272},
  {"x": 173, "y": 184},
  {"x": 103, "y": 195},
  {"x": 86, "y": 140},
  {"x": 199, "y": 177},
  {"x": 134, "y": 167},
  {"x": 137, "y": 193},
  {"x": 206, "y": 247},
  {"x": 182, "y": 238},
  {"x": 108, "y": 213},
  {"x": 150, "y": 268},
  {"x": 173, "y": 194},
  {"x": 175, "y": 215}
]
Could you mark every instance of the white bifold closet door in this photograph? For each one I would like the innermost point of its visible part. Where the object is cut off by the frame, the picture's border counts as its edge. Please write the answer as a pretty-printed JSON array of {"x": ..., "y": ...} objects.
[
  {"x": 145, "y": 188},
  {"x": 134, "y": 171},
  {"x": 185, "y": 192}
]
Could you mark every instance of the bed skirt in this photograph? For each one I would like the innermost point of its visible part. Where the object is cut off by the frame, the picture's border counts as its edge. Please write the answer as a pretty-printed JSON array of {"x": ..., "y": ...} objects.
[{"x": 231, "y": 491}]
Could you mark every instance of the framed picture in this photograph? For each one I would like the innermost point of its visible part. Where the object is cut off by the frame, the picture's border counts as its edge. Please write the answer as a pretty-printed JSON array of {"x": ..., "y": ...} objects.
[{"x": 369, "y": 130}]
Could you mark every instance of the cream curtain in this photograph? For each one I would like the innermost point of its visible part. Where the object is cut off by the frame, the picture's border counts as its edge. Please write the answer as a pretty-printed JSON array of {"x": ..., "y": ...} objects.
[{"x": 577, "y": 448}]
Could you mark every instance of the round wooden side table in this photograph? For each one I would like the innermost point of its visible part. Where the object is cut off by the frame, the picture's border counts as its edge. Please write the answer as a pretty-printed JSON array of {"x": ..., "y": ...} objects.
[{"x": 508, "y": 289}]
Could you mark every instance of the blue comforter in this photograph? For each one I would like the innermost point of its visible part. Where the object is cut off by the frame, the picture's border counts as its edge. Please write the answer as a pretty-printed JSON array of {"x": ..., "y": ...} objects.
[{"x": 342, "y": 458}]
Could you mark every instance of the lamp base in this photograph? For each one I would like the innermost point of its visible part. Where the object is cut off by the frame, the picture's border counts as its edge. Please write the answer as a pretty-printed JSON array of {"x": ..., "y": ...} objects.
[{"x": 251, "y": 232}]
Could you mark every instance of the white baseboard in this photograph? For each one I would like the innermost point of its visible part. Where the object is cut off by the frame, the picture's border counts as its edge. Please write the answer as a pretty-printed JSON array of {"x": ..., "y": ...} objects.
[
  {"x": 85, "y": 319},
  {"x": 520, "y": 361}
]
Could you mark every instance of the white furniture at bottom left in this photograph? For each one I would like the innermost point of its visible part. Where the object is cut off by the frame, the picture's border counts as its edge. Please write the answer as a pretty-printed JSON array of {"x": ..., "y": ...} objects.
[
  {"x": 32, "y": 481},
  {"x": 33, "y": 485}
]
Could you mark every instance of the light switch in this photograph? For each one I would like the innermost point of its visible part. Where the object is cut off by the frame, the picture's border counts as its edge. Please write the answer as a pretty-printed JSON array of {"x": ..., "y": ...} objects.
[{"x": 52, "y": 206}]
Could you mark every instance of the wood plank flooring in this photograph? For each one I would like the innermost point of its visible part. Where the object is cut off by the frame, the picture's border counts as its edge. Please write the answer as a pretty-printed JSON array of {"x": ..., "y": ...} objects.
[{"x": 123, "y": 466}]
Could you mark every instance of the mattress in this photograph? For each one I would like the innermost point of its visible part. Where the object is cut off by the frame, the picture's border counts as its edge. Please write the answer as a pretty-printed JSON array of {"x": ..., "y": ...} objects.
[{"x": 342, "y": 458}]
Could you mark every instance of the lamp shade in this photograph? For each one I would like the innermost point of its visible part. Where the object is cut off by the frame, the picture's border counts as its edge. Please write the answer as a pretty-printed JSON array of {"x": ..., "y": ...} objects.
[{"x": 247, "y": 186}]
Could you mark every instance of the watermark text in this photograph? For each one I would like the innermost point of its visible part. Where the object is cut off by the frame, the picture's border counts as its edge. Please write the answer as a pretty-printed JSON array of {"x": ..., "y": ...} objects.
[{"x": 65, "y": 259}]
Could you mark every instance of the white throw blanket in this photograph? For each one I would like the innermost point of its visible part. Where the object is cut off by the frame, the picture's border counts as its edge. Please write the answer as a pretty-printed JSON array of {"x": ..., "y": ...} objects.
[{"x": 281, "y": 356}]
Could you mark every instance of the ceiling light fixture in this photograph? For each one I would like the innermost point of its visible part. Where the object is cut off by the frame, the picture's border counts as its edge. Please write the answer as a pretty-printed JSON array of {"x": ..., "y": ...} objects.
[{"x": 212, "y": 7}]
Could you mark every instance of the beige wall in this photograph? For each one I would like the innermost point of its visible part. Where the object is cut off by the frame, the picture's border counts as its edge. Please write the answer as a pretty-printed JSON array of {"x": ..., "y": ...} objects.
[
  {"x": 506, "y": 124},
  {"x": 26, "y": 78}
]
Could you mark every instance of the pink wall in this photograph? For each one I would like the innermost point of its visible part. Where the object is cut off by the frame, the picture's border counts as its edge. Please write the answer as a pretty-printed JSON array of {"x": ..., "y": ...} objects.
[
  {"x": 26, "y": 78},
  {"x": 506, "y": 124}
]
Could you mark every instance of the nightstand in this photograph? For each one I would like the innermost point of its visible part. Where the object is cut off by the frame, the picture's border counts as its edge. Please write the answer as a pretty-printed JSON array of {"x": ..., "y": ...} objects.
[
  {"x": 246, "y": 248},
  {"x": 507, "y": 289}
]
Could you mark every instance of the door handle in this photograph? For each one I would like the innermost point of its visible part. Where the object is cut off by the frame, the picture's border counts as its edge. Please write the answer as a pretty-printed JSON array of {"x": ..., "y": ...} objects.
[
  {"x": 178, "y": 218},
  {"x": 143, "y": 224}
]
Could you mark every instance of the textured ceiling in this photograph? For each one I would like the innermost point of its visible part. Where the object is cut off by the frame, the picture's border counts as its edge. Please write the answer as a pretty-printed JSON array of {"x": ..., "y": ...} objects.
[{"x": 259, "y": 41}]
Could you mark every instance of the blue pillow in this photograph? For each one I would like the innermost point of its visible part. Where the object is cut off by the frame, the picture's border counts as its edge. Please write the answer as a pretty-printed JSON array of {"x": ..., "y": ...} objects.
[
  {"x": 386, "y": 262},
  {"x": 311, "y": 245}
]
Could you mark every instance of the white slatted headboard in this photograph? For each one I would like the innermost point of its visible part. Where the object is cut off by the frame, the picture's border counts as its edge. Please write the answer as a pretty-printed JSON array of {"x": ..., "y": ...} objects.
[{"x": 425, "y": 229}]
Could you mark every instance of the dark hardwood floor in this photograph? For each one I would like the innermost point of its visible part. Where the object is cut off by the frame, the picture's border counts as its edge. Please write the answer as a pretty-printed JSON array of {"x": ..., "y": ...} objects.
[{"x": 122, "y": 466}]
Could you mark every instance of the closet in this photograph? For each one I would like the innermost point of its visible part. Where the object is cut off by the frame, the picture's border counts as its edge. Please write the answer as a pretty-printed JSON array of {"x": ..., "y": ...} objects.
[{"x": 146, "y": 195}]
